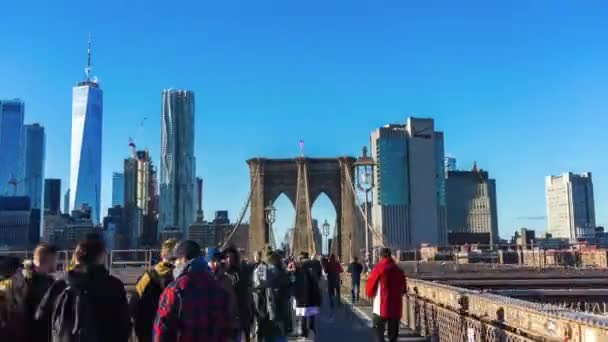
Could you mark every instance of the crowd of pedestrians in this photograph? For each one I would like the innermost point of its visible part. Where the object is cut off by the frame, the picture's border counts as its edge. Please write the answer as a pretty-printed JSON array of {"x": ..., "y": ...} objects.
[{"x": 187, "y": 296}]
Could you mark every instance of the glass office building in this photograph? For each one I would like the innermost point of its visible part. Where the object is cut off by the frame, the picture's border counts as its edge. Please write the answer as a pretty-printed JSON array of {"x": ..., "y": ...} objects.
[
  {"x": 35, "y": 147},
  {"x": 11, "y": 146},
  {"x": 118, "y": 189},
  {"x": 85, "y": 170},
  {"x": 52, "y": 196},
  {"x": 409, "y": 206},
  {"x": 177, "y": 161}
]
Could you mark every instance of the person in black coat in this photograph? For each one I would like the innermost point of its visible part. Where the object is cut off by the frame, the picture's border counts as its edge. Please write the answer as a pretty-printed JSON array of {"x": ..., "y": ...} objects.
[
  {"x": 107, "y": 300},
  {"x": 307, "y": 293},
  {"x": 39, "y": 280}
]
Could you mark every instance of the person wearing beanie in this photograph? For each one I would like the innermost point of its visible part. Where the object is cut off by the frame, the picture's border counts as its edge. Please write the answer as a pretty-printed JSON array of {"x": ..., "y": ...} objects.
[
  {"x": 12, "y": 300},
  {"x": 144, "y": 302}
]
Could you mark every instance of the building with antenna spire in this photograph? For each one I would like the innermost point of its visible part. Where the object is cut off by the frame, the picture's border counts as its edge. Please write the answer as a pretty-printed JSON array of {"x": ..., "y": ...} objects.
[{"x": 85, "y": 166}]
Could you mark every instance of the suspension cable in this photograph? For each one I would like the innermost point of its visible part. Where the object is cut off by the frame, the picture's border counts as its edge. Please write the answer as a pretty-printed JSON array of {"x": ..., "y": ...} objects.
[
  {"x": 369, "y": 225},
  {"x": 245, "y": 207}
]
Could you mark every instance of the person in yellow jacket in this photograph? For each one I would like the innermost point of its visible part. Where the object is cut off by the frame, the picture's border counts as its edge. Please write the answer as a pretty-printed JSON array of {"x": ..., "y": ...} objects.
[{"x": 148, "y": 289}]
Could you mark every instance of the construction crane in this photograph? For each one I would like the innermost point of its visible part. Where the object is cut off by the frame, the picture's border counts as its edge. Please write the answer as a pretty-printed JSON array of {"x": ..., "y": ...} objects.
[
  {"x": 14, "y": 182},
  {"x": 133, "y": 148}
]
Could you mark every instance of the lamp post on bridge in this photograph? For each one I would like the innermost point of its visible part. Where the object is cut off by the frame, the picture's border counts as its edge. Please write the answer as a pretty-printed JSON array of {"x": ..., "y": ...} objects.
[
  {"x": 270, "y": 212},
  {"x": 364, "y": 171},
  {"x": 326, "y": 234}
]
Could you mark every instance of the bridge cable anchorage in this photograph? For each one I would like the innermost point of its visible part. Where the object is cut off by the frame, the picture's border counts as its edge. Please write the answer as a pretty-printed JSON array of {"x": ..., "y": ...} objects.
[
  {"x": 245, "y": 207},
  {"x": 370, "y": 226}
]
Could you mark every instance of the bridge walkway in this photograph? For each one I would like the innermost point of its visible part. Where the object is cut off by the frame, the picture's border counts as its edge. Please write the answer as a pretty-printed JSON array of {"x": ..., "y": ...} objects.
[{"x": 350, "y": 323}]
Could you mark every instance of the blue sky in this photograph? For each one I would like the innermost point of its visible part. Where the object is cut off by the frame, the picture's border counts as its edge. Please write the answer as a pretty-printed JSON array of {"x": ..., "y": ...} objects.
[{"x": 519, "y": 86}]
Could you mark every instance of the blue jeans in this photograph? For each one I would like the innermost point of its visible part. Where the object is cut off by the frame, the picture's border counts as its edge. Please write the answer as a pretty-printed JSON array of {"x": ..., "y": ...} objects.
[
  {"x": 355, "y": 290},
  {"x": 275, "y": 339}
]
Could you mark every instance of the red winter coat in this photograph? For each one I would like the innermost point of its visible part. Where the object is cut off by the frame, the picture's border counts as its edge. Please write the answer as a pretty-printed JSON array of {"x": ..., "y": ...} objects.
[{"x": 386, "y": 285}]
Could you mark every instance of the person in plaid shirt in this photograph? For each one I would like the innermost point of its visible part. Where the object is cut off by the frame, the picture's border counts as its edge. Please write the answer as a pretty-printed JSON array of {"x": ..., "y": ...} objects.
[{"x": 194, "y": 307}]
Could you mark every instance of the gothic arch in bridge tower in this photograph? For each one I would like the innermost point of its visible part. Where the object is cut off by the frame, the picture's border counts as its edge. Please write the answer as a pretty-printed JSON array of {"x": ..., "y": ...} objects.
[{"x": 302, "y": 180}]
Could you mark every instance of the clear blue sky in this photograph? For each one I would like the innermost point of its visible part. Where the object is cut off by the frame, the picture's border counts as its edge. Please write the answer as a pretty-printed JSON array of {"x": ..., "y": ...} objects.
[{"x": 519, "y": 86}]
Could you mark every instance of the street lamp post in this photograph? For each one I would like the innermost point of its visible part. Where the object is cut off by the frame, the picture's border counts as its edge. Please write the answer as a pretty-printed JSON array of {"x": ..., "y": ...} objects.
[
  {"x": 364, "y": 171},
  {"x": 270, "y": 212},
  {"x": 326, "y": 234}
]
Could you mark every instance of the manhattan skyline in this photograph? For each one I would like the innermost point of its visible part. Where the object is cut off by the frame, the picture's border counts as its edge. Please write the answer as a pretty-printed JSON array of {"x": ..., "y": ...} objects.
[{"x": 519, "y": 88}]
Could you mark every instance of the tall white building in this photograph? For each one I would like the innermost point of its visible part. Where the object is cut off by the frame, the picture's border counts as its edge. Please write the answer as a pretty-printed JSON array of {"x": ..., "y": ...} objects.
[
  {"x": 570, "y": 205},
  {"x": 409, "y": 205},
  {"x": 87, "y": 122},
  {"x": 177, "y": 161}
]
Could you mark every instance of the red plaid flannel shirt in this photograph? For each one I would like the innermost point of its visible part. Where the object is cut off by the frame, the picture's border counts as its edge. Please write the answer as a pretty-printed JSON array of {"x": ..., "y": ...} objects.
[{"x": 193, "y": 308}]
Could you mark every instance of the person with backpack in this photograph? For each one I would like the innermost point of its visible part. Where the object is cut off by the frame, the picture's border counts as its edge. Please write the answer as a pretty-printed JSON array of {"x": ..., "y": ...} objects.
[
  {"x": 271, "y": 299},
  {"x": 144, "y": 302},
  {"x": 38, "y": 281},
  {"x": 13, "y": 322},
  {"x": 307, "y": 293},
  {"x": 194, "y": 307},
  {"x": 87, "y": 304}
]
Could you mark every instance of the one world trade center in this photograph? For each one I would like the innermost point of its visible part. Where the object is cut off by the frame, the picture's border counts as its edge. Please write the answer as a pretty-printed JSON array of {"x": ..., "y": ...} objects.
[{"x": 85, "y": 169}]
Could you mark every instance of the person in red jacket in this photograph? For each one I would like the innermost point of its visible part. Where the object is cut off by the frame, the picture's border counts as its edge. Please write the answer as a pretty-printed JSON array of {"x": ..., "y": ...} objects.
[{"x": 386, "y": 285}]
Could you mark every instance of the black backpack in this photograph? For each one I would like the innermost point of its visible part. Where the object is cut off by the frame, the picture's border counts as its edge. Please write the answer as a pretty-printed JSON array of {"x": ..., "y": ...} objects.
[
  {"x": 73, "y": 317},
  {"x": 143, "y": 310}
]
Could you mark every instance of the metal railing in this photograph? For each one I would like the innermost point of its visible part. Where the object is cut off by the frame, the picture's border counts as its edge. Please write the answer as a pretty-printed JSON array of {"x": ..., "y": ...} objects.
[{"x": 451, "y": 314}]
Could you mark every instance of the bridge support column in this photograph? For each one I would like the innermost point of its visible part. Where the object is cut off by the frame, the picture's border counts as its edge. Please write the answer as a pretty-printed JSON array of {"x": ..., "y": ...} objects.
[
  {"x": 258, "y": 229},
  {"x": 347, "y": 239},
  {"x": 302, "y": 240}
]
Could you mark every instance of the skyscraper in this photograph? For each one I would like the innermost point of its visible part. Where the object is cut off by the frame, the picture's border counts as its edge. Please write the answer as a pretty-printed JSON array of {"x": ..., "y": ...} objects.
[
  {"x": 11, "y": 149},
  {"x": 570, "y": 205},
  {"x": 85, "y": 170},
  {"x": 118, "y": 189},
  {"x": 177, "y": 162},
  {"x": 66, "y": 202},
  {"x": 137, "y": 177},
  {"x": 52, "y": 196},
  {"x": 471, "y": 203},
  {"x": 450, "y": 164},
  {"x": 409, "y": 203},
  {"x": 35, "y": 147}
]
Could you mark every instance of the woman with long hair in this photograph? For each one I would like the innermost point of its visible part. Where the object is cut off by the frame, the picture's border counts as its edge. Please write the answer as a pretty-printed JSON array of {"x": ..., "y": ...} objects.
[{"x": 12, "y": 300}]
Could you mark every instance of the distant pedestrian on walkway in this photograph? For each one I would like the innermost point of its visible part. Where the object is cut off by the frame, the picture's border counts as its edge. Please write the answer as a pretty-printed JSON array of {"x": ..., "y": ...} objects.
[
  {"x": 144, "y": 302},
  {"x": 88, "y": 304},
  {"x": 386, "y": 285},
  {"x": 333, "y": 270},
  {"x": 194, "y": 307},
  {"x": 355, "y": 269}
]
